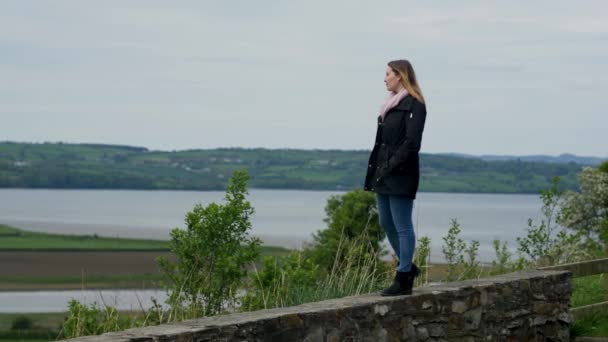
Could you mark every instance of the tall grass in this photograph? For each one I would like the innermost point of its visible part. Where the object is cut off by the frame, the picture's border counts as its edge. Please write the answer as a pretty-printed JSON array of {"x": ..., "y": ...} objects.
[
  {"x": 589, "y": 290},
  {"x": 294, "y": 280},
  {"x": 594, "y": 326}
]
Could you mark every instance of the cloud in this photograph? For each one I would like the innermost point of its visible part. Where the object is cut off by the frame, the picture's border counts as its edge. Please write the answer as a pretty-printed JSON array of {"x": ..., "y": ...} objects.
[
  {"x": 300, "y": 74},
  {"x": 496, "y": 65}
]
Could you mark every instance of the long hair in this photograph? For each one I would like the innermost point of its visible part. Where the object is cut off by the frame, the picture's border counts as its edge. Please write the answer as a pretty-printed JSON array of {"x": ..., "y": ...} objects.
[{"x": 404, "y": 68}]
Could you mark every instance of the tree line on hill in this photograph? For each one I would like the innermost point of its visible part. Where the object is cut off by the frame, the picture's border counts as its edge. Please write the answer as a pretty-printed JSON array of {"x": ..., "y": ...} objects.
[{"x": 99, "y": 166}]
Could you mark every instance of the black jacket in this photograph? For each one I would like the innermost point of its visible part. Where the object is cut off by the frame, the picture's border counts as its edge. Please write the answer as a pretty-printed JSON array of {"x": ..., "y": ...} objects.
[{"x": 394, "y": 166}]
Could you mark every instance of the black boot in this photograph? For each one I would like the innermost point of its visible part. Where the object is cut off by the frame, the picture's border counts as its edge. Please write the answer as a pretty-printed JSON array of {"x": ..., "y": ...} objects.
[
  {"x": 403, "y": 283},
  {"x": 409, "y": 284}
]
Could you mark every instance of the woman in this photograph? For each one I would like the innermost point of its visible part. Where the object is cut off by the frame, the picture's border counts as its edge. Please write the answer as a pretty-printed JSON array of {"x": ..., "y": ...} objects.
[{"x": 393, "y": 172}]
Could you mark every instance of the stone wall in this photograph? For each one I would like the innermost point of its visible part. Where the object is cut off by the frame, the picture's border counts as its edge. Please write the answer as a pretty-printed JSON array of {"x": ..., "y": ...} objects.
[{"x": 526, "y": 306}]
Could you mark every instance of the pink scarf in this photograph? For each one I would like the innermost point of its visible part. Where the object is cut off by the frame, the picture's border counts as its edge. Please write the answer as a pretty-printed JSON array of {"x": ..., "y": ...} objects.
[{"x": 391, "y": 101}]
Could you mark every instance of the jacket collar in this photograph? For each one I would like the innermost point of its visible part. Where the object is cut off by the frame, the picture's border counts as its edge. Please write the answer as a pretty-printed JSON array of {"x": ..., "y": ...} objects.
[{"x": 404, "y": 105}]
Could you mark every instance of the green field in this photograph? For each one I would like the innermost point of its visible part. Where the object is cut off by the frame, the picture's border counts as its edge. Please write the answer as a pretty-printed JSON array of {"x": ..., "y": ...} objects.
[
  {"x": 44, "y": 261},
  {"x": 42, "y": 327},
  {"x": 16, "y": 239},
  {"x": 39, "y": 320},
  {"x": 95, "y": 281}
]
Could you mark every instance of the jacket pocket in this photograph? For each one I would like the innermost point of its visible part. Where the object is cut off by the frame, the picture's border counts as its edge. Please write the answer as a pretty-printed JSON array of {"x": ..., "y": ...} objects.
[{"x": 390, "y": 154}]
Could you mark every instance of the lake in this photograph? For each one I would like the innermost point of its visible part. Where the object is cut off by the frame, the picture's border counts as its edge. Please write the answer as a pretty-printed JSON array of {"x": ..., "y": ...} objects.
[
  {"x": 283, "y": 217},
  {"x": 57, "y": 301}
]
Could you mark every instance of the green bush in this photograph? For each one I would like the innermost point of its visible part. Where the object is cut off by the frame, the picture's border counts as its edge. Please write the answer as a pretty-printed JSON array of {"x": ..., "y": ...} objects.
[
  {"x": 454, "y": 250},
  {"x": 604, "y": 167},
  {"x": 586, "y": 211},
  {"x": 348, "y": 217}
]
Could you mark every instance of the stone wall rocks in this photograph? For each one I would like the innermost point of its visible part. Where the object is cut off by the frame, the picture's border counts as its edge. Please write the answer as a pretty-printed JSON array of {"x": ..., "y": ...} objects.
[{"x": 523, "y": 306}]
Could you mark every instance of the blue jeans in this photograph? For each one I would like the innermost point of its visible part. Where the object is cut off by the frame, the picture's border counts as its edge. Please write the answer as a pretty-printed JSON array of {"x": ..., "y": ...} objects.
[{"x": 395, "y": 216}]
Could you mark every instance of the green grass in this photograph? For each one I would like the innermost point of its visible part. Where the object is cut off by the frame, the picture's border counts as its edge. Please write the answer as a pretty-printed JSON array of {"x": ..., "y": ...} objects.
[
  {"x": 7, "y": 230},
  {"x": 589, "y": 290},
  {"x": 45, "y": 327},
  {"x": 39, "y": 320},
  {"x": 16, "y": 239},
  {"x": 594, "y": 326}
]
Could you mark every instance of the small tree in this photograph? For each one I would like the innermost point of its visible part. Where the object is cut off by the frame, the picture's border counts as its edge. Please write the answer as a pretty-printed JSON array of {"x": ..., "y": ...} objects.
[
  {"x": 422, "y": 256},
  {"x": 503, "y": 257},
  {"x": 503, "y": 262},
  {"x": 548, "y": 243},
  {"x": 452, "y": 250},
  {"x": 586, "y": 211},
  {"x": 471, "y": 264},
  {"x": 211, "y": 253},
  {"x": 539, "y": 239},
  {"x": 457, "y": 267}
]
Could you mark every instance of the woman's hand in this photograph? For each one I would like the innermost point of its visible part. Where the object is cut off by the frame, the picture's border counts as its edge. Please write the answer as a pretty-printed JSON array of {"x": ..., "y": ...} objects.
[{"x": 382, "y": 173}]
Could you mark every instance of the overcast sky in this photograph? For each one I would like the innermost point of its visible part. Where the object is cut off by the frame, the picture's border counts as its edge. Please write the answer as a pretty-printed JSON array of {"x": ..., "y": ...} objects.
[{"x": 515, "y": 77}]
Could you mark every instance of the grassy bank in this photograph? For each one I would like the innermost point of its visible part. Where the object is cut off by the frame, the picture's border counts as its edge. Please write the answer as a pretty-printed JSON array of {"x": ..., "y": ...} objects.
[
  {"x": 38, "y": 320},
  {"x": 136, "y": 281},
  {"x": 31, "y": 327},
  {"x": 15, "y": 239}
]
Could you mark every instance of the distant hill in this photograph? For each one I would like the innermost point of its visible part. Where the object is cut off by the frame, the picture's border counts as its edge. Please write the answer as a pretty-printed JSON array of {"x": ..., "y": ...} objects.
[
  {"x": 562, "y": 158},
  {"x": 101, "y": 166}
]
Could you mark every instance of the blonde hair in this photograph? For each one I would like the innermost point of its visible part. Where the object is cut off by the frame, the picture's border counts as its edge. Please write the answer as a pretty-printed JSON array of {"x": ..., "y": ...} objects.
[{"x": 404, "y": 68}]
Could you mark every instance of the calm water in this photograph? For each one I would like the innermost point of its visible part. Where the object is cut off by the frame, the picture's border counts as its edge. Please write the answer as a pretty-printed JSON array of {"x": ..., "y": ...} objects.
[
  {"x": 283, "y": 217},
  {"x": 57, "y": 301}
]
